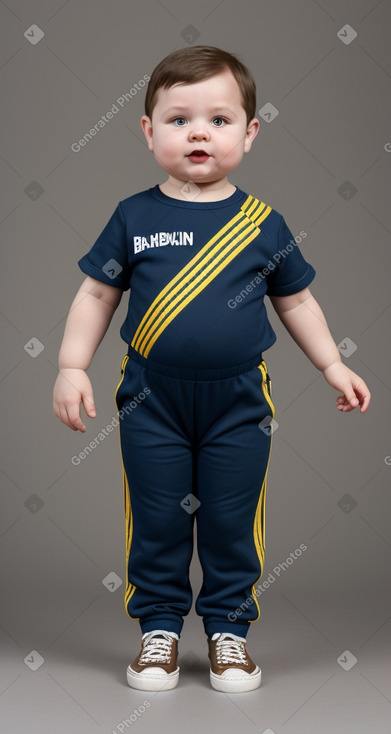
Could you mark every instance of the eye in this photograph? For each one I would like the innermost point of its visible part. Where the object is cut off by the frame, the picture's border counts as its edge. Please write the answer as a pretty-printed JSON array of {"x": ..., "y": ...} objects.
[
  {"x": 179, "y": 121},
  {"x": 221, "y": 120}
]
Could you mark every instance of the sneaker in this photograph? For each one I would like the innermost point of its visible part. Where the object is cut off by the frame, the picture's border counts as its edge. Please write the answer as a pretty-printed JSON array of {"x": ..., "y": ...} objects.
[
  {"x": 232, "y": 670},
  {"x": 155, "y": 667}
]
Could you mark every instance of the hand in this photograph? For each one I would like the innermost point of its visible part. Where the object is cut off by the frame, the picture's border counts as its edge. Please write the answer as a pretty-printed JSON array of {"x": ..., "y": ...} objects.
[
  {"x": 72, "y": 387},
  {"x": 355, "y": 391}
]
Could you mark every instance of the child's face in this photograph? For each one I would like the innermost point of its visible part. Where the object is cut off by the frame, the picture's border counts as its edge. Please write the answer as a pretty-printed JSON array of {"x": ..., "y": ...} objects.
[{"x": 207, "y": 116}]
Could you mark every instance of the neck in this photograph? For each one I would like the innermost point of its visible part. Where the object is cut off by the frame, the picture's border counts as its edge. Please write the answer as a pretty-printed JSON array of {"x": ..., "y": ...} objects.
[{"x": 187, "y": 191}]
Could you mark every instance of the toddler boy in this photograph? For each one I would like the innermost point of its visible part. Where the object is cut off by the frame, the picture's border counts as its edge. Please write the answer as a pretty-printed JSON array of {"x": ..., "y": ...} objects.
[{"x": 194, "y": 399}]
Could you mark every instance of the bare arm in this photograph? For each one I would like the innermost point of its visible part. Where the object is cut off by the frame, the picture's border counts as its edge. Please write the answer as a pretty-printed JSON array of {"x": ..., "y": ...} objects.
[
  {"x": 88, "y": 320},
  {"x": 305, "y": 321}
]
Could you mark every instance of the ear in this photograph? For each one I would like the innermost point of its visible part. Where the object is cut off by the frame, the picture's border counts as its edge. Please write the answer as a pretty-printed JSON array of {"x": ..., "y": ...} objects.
[
  {"x": 251, "y": 133},
  {"x": 146, "y": 125}
]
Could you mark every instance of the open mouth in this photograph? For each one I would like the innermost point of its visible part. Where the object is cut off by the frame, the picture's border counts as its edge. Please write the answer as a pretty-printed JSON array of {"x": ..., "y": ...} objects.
[{"x": 199, "y": 156}]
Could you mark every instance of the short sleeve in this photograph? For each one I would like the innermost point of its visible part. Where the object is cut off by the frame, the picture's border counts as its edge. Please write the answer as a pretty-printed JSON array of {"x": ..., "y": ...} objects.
[
  {"x": 290, "y": 272},
  {"x": 108, "y": 259}
]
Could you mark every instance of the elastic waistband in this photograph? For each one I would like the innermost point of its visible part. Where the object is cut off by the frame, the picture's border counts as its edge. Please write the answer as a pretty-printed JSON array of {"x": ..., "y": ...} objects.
[{"x": 194, "y": 373}]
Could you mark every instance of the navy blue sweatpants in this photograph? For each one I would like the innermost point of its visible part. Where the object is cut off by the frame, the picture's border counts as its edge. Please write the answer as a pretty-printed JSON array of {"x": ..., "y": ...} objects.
[{"x": 195, "y": 445}]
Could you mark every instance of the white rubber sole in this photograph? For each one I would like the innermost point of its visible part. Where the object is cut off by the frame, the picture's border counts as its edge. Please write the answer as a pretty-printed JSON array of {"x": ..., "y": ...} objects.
[
  {"x": 231, "y": 683},
  {"x": 152, "y": 679}
]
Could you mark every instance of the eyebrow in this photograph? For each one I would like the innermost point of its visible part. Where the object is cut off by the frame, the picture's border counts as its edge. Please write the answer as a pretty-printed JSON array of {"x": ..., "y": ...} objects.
[{"x": 183, "y": 108}]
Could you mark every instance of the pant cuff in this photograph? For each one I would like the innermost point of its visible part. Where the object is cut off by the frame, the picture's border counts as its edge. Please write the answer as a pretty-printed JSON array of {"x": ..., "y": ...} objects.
[
  {"x": 236, "y": 629},
  {"x": 170, "y": 625}
]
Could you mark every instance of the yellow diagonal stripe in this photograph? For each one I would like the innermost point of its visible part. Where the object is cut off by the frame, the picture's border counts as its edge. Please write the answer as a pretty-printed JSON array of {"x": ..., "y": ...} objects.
[
  {"x": 172, "y": 299},
  {"x": 252, "y": 209},
  {"x": 188, "y": 283},
  {"x": 159, "y": 300},
  {"x": 202, "y": 285}
]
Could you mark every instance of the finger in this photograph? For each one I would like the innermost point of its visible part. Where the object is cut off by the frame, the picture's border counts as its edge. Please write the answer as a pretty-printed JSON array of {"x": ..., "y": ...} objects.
[
  {"x": 345, "y": 408},
  {"x": 364, "y": 396},
  {"x": 89, "y": 405},
  {"x": 350, "y": 396},
  {"x": 65, "y": 418},
  {"x": 362, "y": 392},
  {"x": 75, "y": 419},
  {"x": 342, "y": 400},
  {"x": 365, "y": 403},
  {"x": 343, "y": 405}
]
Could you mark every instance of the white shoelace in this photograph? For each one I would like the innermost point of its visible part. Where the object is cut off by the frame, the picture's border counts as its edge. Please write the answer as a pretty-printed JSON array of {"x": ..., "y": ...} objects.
[
  {"x": 230, "y": 649},
  {"x": 156, "y": 649}
]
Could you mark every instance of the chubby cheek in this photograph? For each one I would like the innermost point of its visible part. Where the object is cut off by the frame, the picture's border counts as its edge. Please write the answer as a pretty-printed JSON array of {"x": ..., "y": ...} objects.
[
  {"x": 168, "y": 144},
  {"x": 231, "y": 149},
  {"x": 230, "y": 154}
]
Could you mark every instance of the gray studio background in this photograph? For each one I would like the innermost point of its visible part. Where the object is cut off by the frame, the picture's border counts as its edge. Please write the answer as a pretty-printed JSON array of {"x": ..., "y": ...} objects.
[{"x": 323, "y": 639}]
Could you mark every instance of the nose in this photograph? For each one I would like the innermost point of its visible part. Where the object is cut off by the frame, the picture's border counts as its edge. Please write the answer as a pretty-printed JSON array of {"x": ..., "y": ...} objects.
[{"x": 199, "y": 133}]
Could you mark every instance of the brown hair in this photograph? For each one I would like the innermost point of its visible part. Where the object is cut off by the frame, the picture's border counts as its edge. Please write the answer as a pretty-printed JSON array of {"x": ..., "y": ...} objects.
[{"x": 194, "y": 64}]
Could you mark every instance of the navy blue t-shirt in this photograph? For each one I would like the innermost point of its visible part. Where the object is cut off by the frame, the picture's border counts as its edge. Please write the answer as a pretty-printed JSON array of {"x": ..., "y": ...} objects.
[{"x": 198, "y": 273}]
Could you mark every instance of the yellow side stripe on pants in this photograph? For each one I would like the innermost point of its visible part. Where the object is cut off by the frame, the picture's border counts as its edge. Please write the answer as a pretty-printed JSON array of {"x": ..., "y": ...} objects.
[
  {"x": 129, "y": 588},
  {"x": 260, "y": 514},
  {"x": 228, "y": 242}
]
